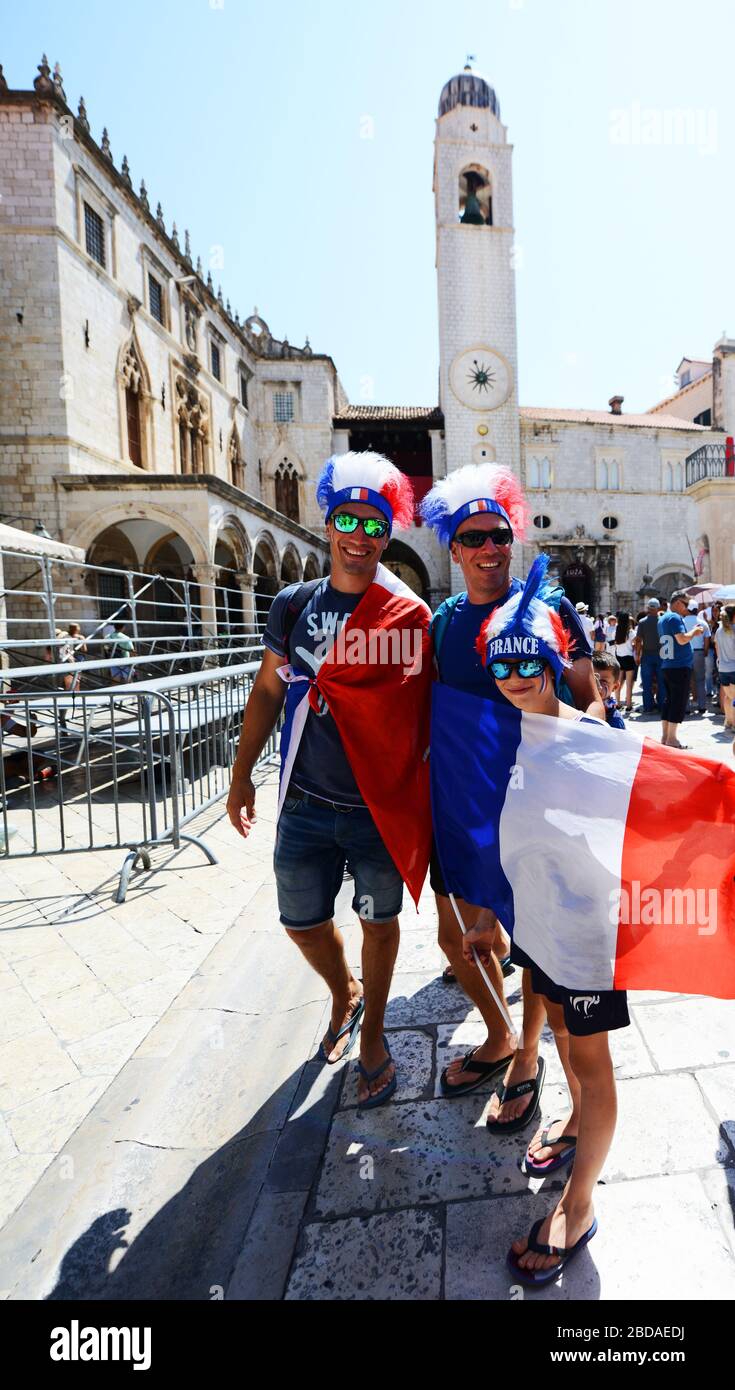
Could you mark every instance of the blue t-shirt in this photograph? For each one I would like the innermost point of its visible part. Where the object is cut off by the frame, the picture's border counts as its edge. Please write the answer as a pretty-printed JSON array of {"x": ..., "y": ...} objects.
[
  {"x": 673, "y": 653},
  {"x": 460, "y": 664},
  {"x": 321, "y": 765}
]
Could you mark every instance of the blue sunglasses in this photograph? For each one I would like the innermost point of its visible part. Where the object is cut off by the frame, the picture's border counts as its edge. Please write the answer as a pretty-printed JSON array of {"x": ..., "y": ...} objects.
[{"x": 526, "y": 669}]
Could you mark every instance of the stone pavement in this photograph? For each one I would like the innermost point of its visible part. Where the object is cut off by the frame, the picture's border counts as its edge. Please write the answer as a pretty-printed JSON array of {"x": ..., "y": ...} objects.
[{"x": 216, "y": 1160}]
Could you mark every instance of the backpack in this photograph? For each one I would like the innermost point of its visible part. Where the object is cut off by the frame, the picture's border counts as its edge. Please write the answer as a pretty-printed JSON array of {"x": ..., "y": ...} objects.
[{"x": 295, "y": 607}]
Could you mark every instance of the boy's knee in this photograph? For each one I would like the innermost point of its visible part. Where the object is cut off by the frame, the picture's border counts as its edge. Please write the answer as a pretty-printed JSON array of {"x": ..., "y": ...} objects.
[{"x": 590, "y": 1058}]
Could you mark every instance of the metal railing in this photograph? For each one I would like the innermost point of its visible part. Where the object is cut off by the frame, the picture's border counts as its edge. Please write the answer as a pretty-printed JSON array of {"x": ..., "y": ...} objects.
[
  {"x": 161, "y": 614},
  {"x": 124, "y": 768},
  {"x": 710, "y": 461}
]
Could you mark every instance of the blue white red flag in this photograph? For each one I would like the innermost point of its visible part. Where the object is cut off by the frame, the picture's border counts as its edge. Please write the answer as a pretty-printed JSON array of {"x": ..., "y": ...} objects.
[{"x": 610, "y": 861}]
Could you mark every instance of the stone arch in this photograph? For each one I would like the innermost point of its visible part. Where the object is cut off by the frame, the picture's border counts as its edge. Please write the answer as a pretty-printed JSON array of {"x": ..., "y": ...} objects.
[
  {"x": 92, "y": 526},
  {"x": 232, "y": 533},
  {"x": 291, "y": 569},
  {"x": 134, "y": 405},
  {"x": 402, "y": 560},
  {"x": 311, "y": 566},
  {"x": 669, "y": 577},
  {"x": 266, "y": 570},
  {"x": 475, "y": 202}
]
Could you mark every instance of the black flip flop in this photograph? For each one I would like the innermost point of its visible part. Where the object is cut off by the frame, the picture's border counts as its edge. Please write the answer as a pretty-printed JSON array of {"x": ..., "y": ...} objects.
[
  {"x": 350, "y": 1027},
  {"x": 521, "y": 1088},
  {"x": 486, "y": 1070}
]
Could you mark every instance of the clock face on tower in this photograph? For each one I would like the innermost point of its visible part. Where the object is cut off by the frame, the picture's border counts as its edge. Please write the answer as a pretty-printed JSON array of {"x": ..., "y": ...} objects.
[{"x": 480, "y": 378}]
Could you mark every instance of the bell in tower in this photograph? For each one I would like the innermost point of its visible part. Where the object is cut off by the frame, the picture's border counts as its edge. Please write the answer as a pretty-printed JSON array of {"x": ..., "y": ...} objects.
[{"x": 472, "y": 211}]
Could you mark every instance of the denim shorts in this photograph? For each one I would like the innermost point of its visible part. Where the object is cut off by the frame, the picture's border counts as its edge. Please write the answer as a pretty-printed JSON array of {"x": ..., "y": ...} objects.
[{"x": 314, "y": 844}]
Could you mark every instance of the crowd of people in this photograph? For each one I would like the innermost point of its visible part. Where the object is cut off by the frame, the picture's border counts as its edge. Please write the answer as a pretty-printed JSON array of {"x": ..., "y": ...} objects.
[{"x": 683, "y": 651}]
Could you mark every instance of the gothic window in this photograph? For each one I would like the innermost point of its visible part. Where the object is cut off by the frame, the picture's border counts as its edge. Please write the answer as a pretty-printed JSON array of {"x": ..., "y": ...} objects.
[
  {"x": 244, "y": 389},
  {"x": 132, "y": 412},
  {"x": 539, "y": 473},
  {"x": 131, "y": 379},
  {"x": 193, "y": 417},
  {"x": 475, "y": 197},
  {"x": 283, "y": 407},
  {"x": 216, "y": 356},
  {"x": 609, "y": 475},
  {"x": 287, "y": 490},
  {"x": 94, "y": 234}
]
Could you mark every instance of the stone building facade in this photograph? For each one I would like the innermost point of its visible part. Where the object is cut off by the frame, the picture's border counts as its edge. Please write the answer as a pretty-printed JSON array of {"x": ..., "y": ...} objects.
[{"x": 144, "y": 420}]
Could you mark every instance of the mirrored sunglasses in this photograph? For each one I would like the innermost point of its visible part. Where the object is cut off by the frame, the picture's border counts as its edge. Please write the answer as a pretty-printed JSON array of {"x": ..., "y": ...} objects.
[
  {"x": 373, "y": 526},
  {"x": 526, "y": 669}
]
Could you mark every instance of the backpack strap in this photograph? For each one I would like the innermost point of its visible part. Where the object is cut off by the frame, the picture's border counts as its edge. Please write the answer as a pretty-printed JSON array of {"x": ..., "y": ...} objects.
[
  {"x": 296, "y": 605},
  {"x": 441, "y": 620}
]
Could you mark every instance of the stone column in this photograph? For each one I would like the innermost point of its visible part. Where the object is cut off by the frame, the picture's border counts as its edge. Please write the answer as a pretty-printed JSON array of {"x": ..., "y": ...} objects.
[
  {"x": 206, "y": 577},
  {"x": 247, "y": 582}
]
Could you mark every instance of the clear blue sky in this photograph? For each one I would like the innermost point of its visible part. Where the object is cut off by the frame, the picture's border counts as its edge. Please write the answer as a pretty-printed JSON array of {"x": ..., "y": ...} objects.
[{"x": 245, "y": 120}]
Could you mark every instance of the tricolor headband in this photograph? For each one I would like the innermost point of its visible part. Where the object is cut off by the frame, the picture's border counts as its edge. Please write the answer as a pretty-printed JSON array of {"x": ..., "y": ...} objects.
[
  {"x": 362, "y": 494},
  {"x": 470, "y": 491},
  {"x": 366, "y": 477}
]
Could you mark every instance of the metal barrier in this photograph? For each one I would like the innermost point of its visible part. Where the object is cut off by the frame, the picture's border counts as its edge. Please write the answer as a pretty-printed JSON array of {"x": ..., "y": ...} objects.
[
  {"x": 123, "y": 768},
  {"x": 161, "y": 614}
]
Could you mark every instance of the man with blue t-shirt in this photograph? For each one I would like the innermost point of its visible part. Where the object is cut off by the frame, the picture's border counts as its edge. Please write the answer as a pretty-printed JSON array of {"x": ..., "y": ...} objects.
[
  {"x": 675, "y": 647},
  {"x": 478, "y": 511},
  {"x": 325, "y": 824}
]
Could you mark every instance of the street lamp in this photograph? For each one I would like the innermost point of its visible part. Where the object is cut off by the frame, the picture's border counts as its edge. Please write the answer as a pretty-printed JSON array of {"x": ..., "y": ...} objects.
[{"x": 38, "y": 527}]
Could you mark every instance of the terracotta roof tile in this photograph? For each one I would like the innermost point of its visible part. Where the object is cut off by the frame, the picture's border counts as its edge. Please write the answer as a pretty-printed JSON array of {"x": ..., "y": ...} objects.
[{"x": 367, "y": 413}]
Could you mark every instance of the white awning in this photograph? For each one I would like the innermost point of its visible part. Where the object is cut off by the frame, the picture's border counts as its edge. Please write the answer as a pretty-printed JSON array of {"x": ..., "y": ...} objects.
[{"x": 27, "y": 544}]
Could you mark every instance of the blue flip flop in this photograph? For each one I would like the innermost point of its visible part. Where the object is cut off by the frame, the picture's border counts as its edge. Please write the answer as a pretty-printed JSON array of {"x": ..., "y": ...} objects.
[
  {"x": 537, "y": 1278},
  {"x": 551, "y": 1165},
  {"x": 350, "y": 1027},
  {"x": 374, "y": 1101}
]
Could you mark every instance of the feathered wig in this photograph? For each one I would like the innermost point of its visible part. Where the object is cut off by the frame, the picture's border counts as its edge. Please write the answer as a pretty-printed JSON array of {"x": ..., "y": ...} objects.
[
  {"x": 366, "y": 477},
  {"x": 526, "y": 626},
  {"x": 481, "y": 487}
]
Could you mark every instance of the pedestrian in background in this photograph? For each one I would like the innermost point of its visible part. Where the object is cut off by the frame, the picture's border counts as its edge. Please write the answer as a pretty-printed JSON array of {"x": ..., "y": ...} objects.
[
  {"x": 725, "y": 644},
  {"x": 676, "y": 662},
  {"x": 649, "y": 659},
  {"x": 625, "y": 633},
  {"x": 700, "y": 647}
]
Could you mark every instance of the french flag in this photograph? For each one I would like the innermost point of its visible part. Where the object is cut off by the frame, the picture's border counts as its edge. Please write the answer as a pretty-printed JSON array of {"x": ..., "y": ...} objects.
[{"x": 610, "y": 861}]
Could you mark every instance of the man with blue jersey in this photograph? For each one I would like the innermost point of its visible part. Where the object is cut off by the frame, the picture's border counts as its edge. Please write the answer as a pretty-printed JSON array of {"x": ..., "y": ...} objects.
[{"x": 478, "y": 511}]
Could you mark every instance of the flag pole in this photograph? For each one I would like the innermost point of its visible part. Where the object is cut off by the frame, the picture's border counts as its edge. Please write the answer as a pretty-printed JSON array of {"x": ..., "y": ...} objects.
[{"x": 499, "y": 1002}]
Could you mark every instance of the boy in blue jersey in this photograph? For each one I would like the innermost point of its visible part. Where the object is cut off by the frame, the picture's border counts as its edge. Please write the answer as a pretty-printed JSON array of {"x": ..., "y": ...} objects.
[{"x": 478, "y": 511}]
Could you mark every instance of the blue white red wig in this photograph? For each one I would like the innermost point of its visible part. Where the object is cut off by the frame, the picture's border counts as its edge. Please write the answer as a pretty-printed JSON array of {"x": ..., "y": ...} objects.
[
  {"x": 366, "y": 477},
  {"x": 526, "y": 626},
  {"x": 477, "y": 487}
]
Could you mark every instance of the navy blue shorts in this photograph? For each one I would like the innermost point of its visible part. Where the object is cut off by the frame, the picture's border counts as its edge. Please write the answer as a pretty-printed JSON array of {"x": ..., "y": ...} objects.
[
  {"x": 585, "y": 1011},
  {"x": 314, "y": 844}
]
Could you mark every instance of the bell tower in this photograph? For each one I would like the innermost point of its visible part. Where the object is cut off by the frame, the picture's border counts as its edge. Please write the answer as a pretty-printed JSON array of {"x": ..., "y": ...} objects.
[{"x": 478, "y": 390}]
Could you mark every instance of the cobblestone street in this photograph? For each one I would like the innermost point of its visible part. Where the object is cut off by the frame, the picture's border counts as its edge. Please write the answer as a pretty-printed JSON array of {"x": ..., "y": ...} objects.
[{"x": 166, "y": 1135}]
